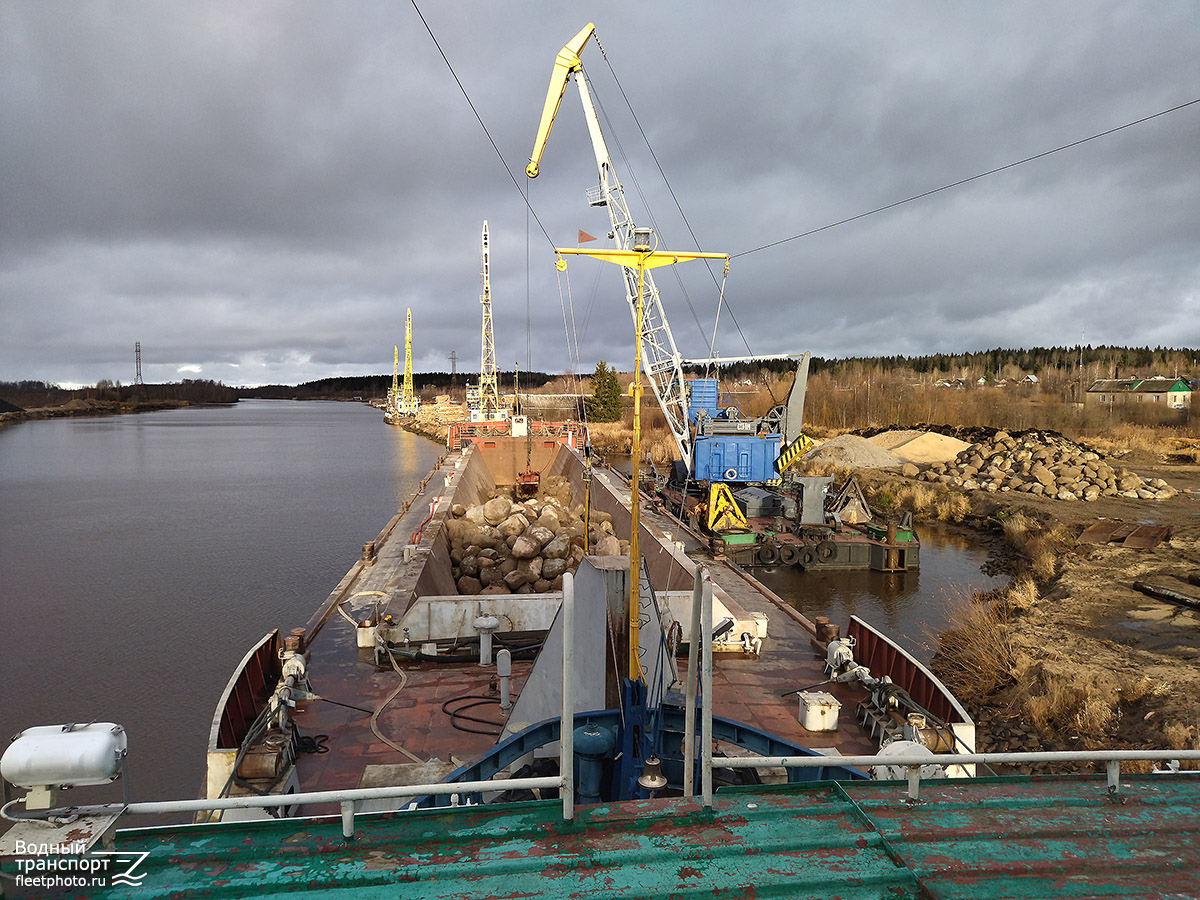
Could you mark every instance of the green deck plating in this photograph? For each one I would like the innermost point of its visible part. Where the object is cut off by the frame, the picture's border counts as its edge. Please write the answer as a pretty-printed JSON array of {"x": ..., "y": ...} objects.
[{"x": 991, "y": 837}]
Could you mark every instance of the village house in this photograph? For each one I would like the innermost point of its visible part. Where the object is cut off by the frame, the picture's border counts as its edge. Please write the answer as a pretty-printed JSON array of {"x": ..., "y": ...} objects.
[{"x": 1169, "y": 393}]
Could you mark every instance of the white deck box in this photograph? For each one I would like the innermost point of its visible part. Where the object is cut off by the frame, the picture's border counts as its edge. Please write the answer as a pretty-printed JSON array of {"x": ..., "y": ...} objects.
[{"x": 819, "y": 711}]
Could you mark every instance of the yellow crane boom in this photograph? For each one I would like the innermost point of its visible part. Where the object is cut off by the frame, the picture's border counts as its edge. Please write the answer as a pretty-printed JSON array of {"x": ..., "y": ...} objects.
[{"x": 565, "y": 63}]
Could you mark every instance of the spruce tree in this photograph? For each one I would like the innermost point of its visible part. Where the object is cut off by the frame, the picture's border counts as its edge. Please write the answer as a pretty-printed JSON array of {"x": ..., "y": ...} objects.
[{"x": 605, "y": 403}]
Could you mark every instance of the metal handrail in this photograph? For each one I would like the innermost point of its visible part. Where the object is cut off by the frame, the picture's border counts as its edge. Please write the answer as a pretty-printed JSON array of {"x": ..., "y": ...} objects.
[{"x": 913, "y": 763}]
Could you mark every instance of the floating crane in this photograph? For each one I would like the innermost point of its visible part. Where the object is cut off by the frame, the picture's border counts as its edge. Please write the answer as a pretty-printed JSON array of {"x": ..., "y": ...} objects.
[
  {"x": 746, "y": 451},
  {"x": 724, "y": 447},
  {"x": 391, "y": 408},
  {"x": 661, "y": 361}
]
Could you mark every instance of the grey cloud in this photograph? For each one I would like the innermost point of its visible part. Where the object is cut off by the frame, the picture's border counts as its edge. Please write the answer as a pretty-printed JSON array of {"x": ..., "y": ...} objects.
[{"x": 260, "y": 190}]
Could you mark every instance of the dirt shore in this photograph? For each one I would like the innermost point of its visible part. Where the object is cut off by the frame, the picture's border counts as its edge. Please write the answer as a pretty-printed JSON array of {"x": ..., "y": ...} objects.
[{"x": 1095, "y": 662}]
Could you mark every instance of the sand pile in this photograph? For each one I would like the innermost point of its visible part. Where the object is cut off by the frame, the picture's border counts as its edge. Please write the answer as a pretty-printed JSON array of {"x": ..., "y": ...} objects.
[
  {"x": 852, "y": 451},
  {"x": 890, "y": 440},
  {"x": 923, "y": 447}
]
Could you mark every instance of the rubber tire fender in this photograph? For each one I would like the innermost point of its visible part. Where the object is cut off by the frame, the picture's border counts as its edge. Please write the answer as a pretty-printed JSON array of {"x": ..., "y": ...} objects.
[
  {"x": 826, "y": 550},
  {"x": 789, "y": 554},
  {"x": 767, "y": 554},
  {"x": 808, "y": 558}
]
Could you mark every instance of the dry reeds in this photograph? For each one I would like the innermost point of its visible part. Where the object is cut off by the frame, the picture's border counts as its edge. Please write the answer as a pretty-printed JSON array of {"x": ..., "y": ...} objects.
[
  {"x": 1017, "y": 527},
  {"x": 1057, "y": 705},
  {"x": 951, "y": 506},
  {"x": 1124, "y": 436},
  {"x": 975, "y": 655},
  {"x": 915, "y": 497},
  {"x": 1042, "y": 545},
  {"x": 1183, "y": 737},
  {"x": 1022, "y": 594}
]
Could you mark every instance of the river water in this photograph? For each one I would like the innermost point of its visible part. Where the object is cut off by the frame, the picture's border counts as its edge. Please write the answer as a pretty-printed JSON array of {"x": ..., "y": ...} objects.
[
  {"x": 142, "y": 555},
  {"x": 909, "y": 607}
]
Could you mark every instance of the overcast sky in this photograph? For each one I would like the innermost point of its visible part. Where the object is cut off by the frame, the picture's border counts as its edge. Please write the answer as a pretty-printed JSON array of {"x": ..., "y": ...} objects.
[{"x": 256, "y": 191}]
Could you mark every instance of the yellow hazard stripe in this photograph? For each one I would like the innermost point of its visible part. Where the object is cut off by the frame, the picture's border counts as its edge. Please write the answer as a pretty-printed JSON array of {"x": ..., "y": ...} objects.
[{"x": 791, "y": 452}]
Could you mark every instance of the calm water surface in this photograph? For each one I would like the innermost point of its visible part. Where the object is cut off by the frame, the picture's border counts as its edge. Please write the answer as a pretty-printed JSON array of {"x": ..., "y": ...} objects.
[
  {"x": 140, "y": 556},
  {"x": 909, "y": 607}
]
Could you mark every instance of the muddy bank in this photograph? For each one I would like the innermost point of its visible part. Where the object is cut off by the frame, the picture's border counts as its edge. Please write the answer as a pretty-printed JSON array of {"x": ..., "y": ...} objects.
[{"x": 1071, "y": 656}]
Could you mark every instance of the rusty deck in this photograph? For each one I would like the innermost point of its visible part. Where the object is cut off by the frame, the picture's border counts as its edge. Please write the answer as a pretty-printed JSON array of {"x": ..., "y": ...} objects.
[{"x": 987, "y": 838}]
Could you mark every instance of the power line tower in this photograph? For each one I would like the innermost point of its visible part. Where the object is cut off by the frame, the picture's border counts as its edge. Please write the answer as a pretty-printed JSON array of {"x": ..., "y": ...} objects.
[
  {"x": 137, "y": 357},
  {"x": 453, "y": 370},
  {"x": 489, "y": 391}
]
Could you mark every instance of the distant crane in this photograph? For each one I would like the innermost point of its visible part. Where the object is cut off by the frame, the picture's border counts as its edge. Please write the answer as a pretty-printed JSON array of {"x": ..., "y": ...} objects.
[
  {"x": 394, "y": 392},
  {"x": 489, "y": 389},
  {"x": 407, "y": 405}
]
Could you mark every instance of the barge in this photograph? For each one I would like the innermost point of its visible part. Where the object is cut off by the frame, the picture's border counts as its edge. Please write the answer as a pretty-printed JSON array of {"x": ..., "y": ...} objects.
[
  {"x": 462, "y": 720},
  {"x": 411, "y": 626}
]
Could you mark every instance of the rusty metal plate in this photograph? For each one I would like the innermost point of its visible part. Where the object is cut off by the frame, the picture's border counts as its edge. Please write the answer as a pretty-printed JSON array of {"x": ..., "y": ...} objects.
[
  {"x": 1099, "y": 532},
  {"x": 967, "y": 838},
  {"x": 1145, "y": 537},
  {"x": 1134, "y": 536}
]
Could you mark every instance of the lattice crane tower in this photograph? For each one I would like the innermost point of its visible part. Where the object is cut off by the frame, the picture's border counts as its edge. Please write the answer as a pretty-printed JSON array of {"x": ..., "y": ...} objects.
[
  {"x": 394, "y": 393},
  {"x": 406, "y": 389},
  {"x": 489, "y": 390}
]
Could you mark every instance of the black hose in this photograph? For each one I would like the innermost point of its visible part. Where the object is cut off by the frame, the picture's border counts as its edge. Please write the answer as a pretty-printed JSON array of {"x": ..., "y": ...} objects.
[
  {"x": 495, "y": 728},
  {"x": 527, "y": 652}
]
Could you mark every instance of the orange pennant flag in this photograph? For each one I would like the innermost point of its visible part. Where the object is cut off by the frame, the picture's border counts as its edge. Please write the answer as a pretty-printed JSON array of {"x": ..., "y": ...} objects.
[{"x": 584, "y": 236}]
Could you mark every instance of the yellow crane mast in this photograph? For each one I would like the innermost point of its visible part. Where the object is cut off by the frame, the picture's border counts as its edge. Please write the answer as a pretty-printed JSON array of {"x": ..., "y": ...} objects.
[{"x": 408, "y": 406}]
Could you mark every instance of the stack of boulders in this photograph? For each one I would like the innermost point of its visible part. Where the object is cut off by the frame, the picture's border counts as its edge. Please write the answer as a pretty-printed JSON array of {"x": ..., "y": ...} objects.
[
  {"x": 1044, "y": 465},
  {"x": 507, "y": 547}
]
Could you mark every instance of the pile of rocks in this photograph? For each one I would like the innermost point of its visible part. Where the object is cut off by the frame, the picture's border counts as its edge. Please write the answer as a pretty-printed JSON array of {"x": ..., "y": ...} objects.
[
  {"x": 1043, "y": 464},
  {"x": 502, "y": 547}
]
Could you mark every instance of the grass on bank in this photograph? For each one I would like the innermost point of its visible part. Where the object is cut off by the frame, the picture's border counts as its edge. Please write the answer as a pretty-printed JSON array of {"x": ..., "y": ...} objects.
[{"x": 975, "y": 656}]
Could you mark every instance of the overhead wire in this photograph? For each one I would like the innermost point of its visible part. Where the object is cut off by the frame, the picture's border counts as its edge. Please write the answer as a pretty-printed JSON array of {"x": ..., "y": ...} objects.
[
  {"x": 962, "y": 181},
  {"x": 479, "y": 119},
  {"x": 530, "y": 211}
]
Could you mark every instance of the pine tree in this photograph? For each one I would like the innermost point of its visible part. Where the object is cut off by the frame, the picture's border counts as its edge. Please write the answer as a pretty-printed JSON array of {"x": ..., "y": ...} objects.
[{"x": 605, "y": 403}]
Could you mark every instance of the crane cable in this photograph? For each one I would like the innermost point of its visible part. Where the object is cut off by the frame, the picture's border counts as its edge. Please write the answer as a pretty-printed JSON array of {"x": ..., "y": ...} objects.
[
  {"x": 666, "y": 181},
  {"x": 479, "y": 119},
  {"x": 962, "y": 181}
]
